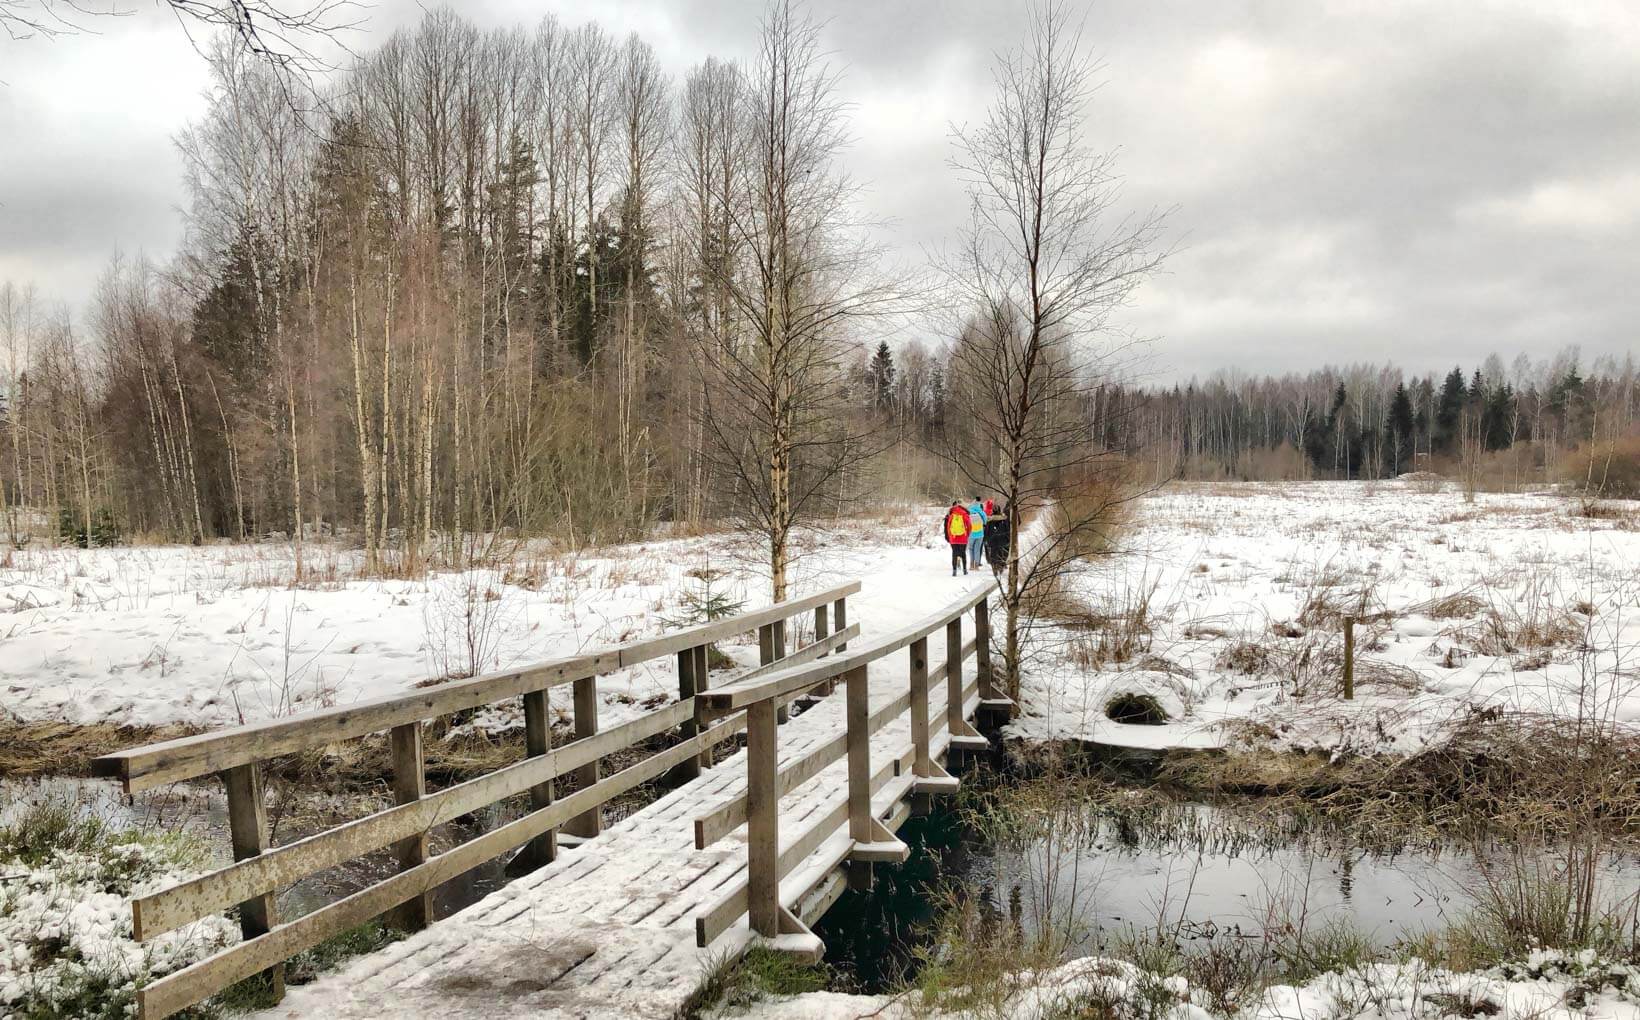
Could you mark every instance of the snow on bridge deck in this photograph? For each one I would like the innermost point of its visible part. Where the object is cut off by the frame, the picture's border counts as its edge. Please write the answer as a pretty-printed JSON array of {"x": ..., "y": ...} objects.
[{"x": 608, "y": 929}]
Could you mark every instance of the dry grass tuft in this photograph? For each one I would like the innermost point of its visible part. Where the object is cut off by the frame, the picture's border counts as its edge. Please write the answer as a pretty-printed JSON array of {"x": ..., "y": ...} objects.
[
  {"x": 1526, "y": 774},
  {"x": 1507, "y": 629},
  {"x": 29, "y": 749},
  {"x": 1313, "y": 665},
  {"x": 1118, "y": 634},
  {"x": 1452, "y": 606},
  {"x": 1248, "y": 657}
]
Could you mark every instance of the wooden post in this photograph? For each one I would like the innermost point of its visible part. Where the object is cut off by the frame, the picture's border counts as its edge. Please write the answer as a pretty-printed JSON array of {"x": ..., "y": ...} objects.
[
  {"x": 765, "y": 644},
  {"x": 688, "y": 686},
  {"x": 982, "y": 648},
  {"x": 770, "y": 637},
  {"x": 860, "y": 829},
  {"x": 919, "y": 707},
  {"x": 248, "y": 832},
  {"x": 590, "y": 822},
  {"x": 762, "y": 819},
  {"x": 839, "y": 619},
  {"x": 784, "y": 714},
  {"x": 409, "y": 785},
  {"x": 953, "y": 676},
  {"x": 859, "y": 755},
  {"x": 543, "y": 849},
  {"x": 822, "y": 630},
  {"x": 703, "y": 682},
  {"x": 1349, "y": 658}
]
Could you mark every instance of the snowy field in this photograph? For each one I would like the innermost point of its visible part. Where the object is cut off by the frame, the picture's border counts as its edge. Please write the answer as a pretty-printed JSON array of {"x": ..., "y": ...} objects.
[
  {"x": 1223, "y": 603},
  {"x": 217, "y": 635}
]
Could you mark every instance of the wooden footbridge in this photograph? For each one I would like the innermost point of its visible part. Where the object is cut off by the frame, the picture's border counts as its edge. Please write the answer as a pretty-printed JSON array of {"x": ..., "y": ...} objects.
[{"x": 631, "y": 920}]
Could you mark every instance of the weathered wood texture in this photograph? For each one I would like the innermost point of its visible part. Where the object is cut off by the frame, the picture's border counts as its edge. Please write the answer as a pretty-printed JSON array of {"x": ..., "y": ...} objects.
[
  {"x": 868, "y": 839},
  {"x": 609, "y": 930},
  {"x": 259, "y": 870}
]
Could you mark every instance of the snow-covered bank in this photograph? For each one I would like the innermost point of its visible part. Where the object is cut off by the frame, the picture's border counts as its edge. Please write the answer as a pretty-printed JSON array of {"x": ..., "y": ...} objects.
[
  {"x": 1509, "y": 603},
  {"x": 1548, "y": 986},
  {"x": 71, "y": 860}
]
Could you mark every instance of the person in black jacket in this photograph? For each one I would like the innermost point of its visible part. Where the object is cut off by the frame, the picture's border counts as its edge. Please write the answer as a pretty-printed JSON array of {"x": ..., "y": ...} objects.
[{"x": 999, "y": 538}]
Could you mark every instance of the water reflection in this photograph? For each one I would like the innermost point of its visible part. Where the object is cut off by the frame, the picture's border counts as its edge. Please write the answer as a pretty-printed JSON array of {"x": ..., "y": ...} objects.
[{"x": 1203, "y": 873}]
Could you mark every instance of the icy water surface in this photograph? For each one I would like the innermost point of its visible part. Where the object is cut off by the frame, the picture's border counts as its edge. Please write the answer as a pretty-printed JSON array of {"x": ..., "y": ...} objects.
[{"x": 1204, "y": 875}]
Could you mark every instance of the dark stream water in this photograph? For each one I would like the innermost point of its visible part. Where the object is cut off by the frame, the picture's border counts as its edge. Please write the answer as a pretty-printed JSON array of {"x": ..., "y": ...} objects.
[{"x": 1203, "y": 872}]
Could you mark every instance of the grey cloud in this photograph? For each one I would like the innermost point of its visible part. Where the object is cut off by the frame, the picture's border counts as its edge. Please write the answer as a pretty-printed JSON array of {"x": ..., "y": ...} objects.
[{"x": 1413, "y": 180}]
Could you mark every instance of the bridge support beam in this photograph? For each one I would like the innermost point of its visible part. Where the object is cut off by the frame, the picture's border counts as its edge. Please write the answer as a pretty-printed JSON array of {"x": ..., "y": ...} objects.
[
  {"x": 693, "y": 678},
  {"x": 873, "y": 842},
  {"x": 822, "y": 630},
  {"x": 963, "y": 735},
  {"x": 994, "y": 706},
  {"x": 771, "y": 648}
]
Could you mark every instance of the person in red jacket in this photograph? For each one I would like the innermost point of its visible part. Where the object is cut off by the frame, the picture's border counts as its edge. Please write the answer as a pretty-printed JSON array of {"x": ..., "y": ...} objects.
[{"x": 956, "y": 533}]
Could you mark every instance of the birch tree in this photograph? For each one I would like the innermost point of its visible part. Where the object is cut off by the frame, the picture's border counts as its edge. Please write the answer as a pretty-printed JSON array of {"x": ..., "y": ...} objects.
[
  {"x": 773, "y": 414},
  {"x": 1043, "y": 263}
]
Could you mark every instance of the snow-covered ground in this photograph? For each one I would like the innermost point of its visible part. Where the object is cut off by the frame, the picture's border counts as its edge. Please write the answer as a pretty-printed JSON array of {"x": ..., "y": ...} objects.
[
  {"x": 217, "y": 635},
  {"x": 1548, "y": 986},
  {"x": 1512, "y": 601}
]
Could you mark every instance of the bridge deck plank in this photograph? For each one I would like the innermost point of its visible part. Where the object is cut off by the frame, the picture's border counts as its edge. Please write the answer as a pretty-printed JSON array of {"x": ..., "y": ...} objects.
[{"x": 608, "y": 929}]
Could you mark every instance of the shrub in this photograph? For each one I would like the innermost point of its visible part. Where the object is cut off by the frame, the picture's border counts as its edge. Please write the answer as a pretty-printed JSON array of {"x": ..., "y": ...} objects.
[
  {"x": 71, "y": 528},
  {"x": 1609, "y": 469}
]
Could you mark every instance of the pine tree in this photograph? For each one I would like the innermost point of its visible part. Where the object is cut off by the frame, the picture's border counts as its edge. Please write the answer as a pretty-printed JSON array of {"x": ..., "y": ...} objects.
[
  {"x": 880, "y": 372},
  {"x": 1449, "y": 411},
  {"x": 1401, "y": 426}
]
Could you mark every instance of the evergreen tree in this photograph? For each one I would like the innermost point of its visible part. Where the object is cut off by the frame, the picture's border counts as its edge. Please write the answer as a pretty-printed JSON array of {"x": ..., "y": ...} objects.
[
  {"x": 226, "y": 322},
  {"x": 1401, "y": 427},
  {"x": 1568, "y": 405},
  {"x": 1449, "y": 412},
  {"x": 880, "y": 374}
]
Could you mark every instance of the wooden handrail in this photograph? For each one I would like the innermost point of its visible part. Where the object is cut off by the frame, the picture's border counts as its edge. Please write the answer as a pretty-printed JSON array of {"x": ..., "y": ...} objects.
[
  {"x": 784, "y": 681},
  {"x": 171, "y": 761},
  {"x": 852, "y": 822},
  {"x": 260, "y": 869}
]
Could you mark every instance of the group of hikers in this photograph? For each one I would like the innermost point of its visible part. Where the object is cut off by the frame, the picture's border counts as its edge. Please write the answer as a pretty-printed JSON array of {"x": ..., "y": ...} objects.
[{"x": 977, "y": 532}]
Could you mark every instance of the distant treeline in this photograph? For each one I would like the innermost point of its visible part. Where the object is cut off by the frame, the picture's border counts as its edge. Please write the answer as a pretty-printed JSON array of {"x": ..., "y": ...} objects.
[{"x": 1361, "y": 421}]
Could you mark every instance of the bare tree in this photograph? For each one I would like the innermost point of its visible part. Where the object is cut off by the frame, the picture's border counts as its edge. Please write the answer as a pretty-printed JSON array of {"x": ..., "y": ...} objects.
[
  {"x": 18, "y": 322},
  {"x": 771, "y": 406},
  {"x": 592, "y": 60},
  {"x": 642, "y": 106},
  {"x": 293, "y": 39},
  {"x": 1044, "y": 261}
]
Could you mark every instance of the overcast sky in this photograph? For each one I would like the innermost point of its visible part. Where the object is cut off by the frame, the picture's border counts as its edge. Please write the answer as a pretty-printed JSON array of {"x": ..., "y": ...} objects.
[{"x": 1423, "y": 181}]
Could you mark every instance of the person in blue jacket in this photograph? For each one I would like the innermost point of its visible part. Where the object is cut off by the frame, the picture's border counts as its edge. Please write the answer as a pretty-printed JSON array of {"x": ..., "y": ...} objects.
[{"x": 976, "y": 532}]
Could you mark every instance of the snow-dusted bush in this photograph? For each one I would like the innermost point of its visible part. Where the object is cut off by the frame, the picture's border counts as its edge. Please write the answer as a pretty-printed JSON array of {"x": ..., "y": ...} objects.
[{"x": 66, "y": 883}]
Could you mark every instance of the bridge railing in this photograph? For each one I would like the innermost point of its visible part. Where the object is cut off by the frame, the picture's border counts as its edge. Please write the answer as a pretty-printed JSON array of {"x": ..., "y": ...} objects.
[
  {"x": 260, "y": 870},
  {"x": 769, "y": 912}
]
